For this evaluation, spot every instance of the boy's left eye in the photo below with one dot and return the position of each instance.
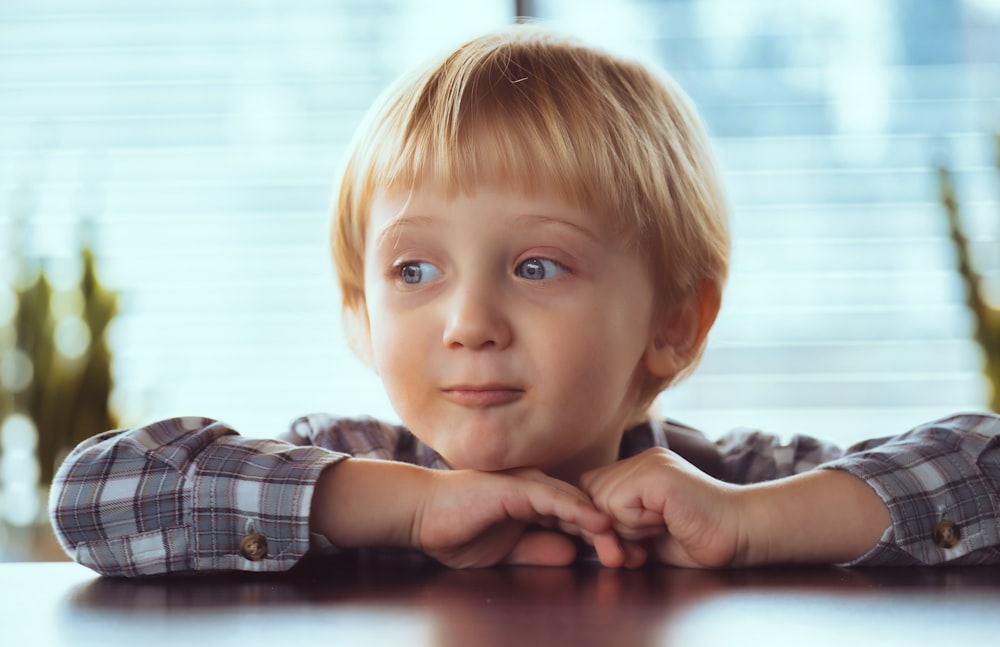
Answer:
(538, 269)
(417, 272)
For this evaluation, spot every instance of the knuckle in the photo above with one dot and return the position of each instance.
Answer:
(657, 452)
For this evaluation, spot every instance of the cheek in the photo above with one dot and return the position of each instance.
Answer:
(399, 347)
(387, 347)
(395, 366)
(382, 336)
(604, 356)
(591, 356)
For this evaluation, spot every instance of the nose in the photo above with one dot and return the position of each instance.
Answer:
(476, 319)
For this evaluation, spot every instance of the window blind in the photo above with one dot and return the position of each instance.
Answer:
(199, 142)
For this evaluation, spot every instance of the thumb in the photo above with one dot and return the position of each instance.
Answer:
(542, 548)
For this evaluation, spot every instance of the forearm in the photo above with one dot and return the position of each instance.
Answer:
(359, 503)
(822, 516)
(185, 494)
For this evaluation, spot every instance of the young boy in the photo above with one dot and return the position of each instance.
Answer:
(531, 244)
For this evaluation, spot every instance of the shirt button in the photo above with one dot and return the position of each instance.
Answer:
(253, 546)
(946, 534)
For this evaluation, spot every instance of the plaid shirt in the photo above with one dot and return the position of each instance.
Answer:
(182, 494)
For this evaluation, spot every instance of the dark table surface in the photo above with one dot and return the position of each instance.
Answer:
(394, 601)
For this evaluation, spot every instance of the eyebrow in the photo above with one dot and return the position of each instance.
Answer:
(543, 219)
(395, 227)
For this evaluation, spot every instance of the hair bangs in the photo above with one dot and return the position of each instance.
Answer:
(497, 121)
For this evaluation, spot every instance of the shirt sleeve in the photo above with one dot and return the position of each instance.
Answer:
(939, 481)
(186, 494)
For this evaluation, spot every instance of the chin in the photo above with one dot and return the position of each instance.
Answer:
(480, 447)
(484, 459)
(483, 463)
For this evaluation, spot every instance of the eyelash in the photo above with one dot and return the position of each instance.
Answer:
(560, 268)
(396, 270)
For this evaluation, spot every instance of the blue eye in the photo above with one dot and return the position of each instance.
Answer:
(417, 273)
(538, 269)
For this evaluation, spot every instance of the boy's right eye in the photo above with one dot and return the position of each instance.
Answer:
(417, 273)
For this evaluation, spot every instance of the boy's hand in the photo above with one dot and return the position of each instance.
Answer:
(662, 504)
(474, 519)
(462, 518)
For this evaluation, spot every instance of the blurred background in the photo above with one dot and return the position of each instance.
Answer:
(166, 170)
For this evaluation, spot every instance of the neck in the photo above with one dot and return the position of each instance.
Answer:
(572, 468)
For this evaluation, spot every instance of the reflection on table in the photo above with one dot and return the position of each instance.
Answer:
(396, 600)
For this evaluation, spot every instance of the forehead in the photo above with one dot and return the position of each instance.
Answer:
(507, 144)
(488, 206)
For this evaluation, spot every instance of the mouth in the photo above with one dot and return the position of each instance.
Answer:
(482, 396)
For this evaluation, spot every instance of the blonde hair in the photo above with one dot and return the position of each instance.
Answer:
(526, 109)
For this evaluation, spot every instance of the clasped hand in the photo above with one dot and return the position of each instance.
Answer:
(653, 506)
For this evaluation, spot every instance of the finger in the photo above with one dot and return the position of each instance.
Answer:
(542, 549)
(600, 488)
(589, 480)
(542, 478)
(635, 554)
(637, 532)
(609, 549)
(603, 479)
(570, 509)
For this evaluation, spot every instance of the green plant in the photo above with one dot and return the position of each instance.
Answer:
(56, 360)
(986, 316)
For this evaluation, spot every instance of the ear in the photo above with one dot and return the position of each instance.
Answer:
(358, 330)
(678, 336)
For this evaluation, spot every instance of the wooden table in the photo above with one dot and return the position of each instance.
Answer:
(393, 601)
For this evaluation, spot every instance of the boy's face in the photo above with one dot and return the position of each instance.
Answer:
(509, 331)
